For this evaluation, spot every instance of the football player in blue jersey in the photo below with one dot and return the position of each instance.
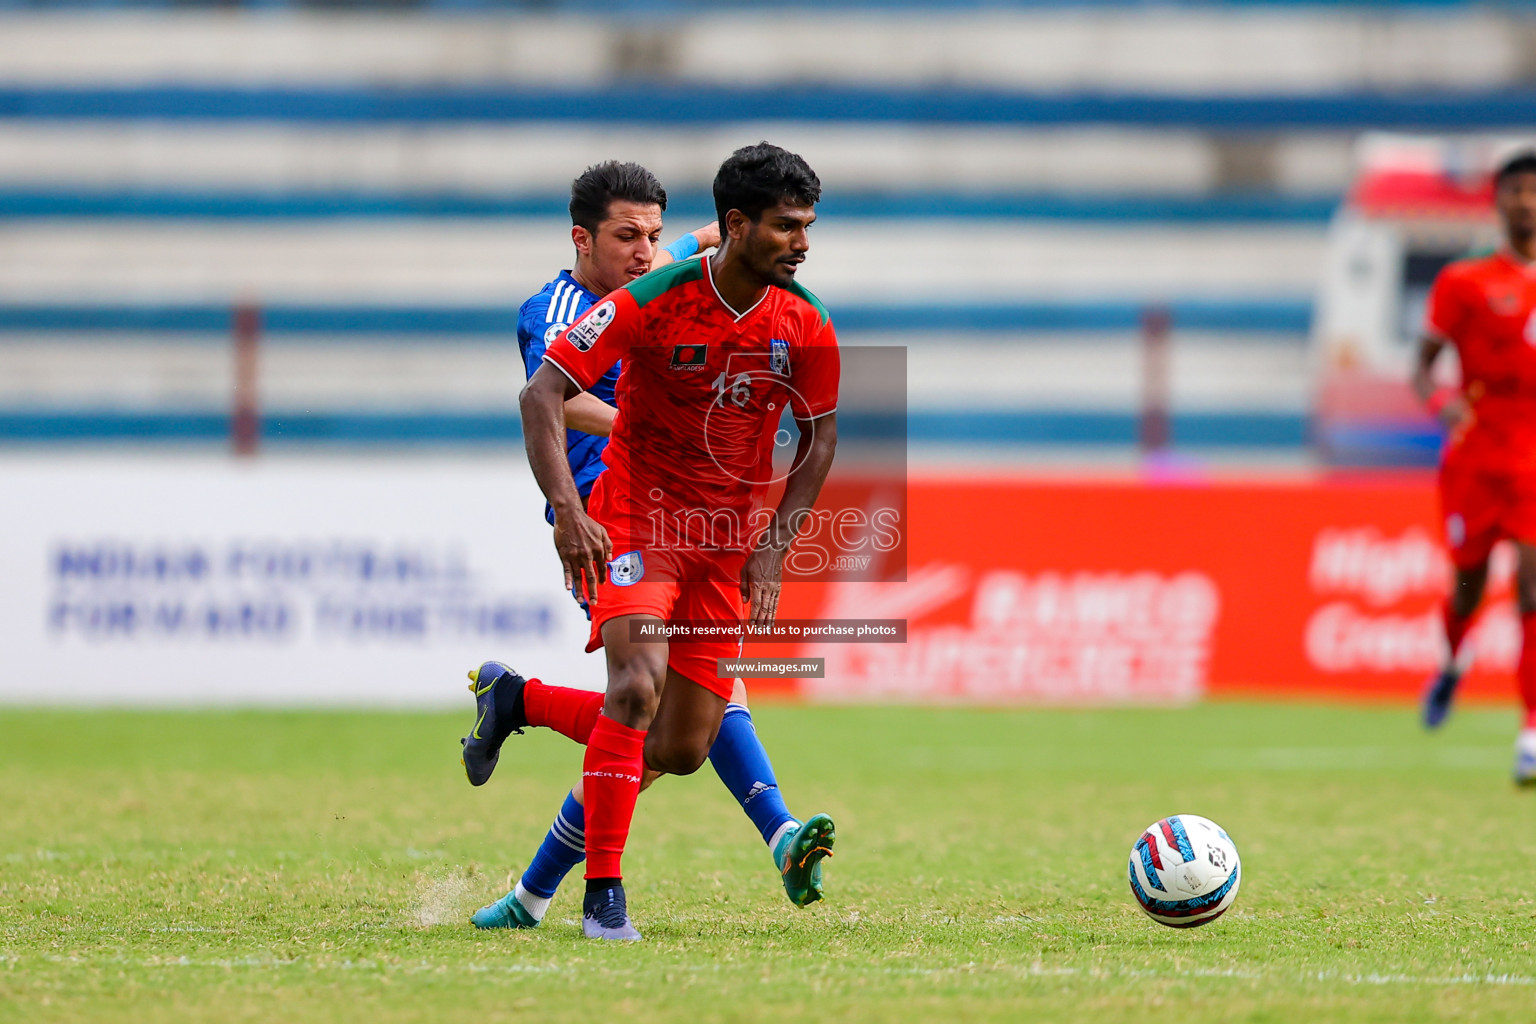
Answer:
(616, 210)
(615, 226)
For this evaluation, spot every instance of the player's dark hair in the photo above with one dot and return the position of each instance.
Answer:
(599, 185)
(1523, 162)
(756, 177)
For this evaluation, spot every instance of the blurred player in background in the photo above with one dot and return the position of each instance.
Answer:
(1485, 307)
(714, 352)
(616, 214)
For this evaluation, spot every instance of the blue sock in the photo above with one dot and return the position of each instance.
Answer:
(563, 848)
(742, 764)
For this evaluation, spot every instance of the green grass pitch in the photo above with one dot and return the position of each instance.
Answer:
(322, 866)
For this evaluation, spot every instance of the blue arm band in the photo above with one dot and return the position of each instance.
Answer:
(684, 247)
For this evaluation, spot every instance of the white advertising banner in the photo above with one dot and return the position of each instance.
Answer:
(375, 581)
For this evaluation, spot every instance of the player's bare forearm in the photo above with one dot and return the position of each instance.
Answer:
(582, 544)
(762, 575)
(1424, 366)
(1452, 409)
(542, 404)
(813, 461)
(589, 414)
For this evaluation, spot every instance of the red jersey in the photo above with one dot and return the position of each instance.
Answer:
(700, 396)
(1486, 307)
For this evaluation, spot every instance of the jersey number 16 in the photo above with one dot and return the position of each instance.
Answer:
(740, 389)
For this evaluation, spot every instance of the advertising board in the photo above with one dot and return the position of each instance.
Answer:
(1129, 591)
(285, 581)
(277, 581)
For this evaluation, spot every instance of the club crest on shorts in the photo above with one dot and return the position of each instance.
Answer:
(1455, 530)
(626, 570)
(585, 332)
(778, 357)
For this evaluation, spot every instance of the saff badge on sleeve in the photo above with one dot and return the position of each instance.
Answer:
(585, 332)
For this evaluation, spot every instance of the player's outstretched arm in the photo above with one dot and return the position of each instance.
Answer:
(762, 577)
(583, 545)
(701, 238)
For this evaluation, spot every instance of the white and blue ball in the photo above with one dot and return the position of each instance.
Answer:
(1184, 871)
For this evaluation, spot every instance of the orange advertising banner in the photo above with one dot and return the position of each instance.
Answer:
(1133, 591)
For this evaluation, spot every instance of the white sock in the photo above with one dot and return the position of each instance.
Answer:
(538, 906)
(788, 826)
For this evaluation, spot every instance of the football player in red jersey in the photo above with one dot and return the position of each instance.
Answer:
(616, 213)
(713, 351)
(1485, 307)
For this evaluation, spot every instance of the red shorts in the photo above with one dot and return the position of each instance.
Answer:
(672, 586)
(1483, 506)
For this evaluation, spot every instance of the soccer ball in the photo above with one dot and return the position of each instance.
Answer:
(1184, 871)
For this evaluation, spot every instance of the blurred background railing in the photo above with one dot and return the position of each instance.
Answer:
(386, 183)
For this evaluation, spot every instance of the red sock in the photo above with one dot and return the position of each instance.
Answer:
(568, 711)
(1455, 628)
(1527, 671)
(610, 780)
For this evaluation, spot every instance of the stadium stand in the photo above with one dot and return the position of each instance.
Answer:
(386, 186)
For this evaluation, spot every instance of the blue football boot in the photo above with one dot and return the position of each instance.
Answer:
(605, 915)
(498, 714)
(1435, 706)
(506, 912)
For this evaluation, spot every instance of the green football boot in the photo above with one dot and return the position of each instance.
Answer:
(799, 855)
(506, 912)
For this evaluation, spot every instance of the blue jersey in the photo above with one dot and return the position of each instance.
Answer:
(539, 322)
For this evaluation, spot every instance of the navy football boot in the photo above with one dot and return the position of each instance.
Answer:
(1435, 705)
(498, 714)
(605, 915)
